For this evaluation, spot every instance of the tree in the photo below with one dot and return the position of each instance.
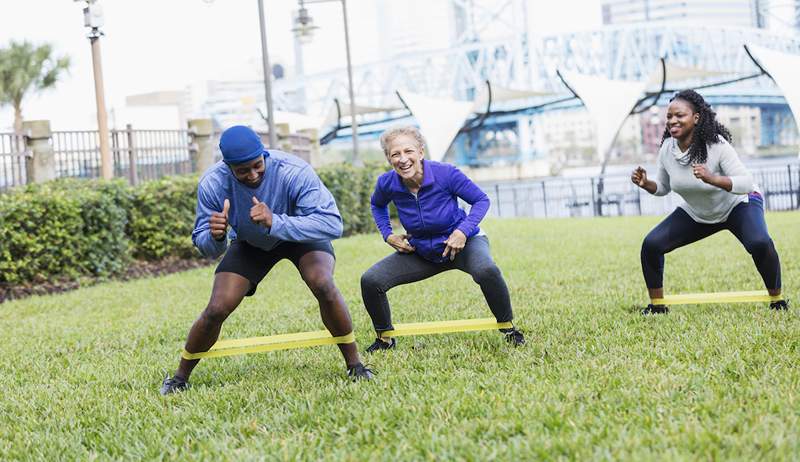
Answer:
(25, 67)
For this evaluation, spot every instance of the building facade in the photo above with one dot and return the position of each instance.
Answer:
(743, 13)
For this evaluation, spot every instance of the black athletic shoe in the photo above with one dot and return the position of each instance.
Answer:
(360, 372)
(173, 385)
(514, 336)
(780, 305)
(655, 309)
(379, 344)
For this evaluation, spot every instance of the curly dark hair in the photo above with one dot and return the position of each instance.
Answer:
(706, 131)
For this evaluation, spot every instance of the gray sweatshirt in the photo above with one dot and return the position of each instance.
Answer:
(703, 202)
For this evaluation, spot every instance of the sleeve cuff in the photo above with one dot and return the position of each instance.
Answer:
(278, 224)
(741, 185)
(467, 230)
(213, 248)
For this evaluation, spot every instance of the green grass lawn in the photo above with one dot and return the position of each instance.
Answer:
(80, 372)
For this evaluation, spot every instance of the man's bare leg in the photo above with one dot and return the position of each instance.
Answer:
(316, 268)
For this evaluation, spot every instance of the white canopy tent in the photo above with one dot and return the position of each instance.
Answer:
(439, 120)
(784, 68)
(608, 101)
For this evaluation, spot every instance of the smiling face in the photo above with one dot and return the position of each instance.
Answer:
(681, 119)
(405, 156)
(251, 173)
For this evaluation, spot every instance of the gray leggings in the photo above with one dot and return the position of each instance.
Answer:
(403, 268)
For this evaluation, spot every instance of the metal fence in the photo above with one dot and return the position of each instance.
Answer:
(12, 160)
(138, 155)
(77, 153)
(151, 153)
(616, 195)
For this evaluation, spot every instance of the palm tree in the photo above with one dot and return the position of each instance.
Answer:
(25, 67)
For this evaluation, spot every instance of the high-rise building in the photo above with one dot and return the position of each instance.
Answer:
(797, 15)
(744, 13)
(781, 16)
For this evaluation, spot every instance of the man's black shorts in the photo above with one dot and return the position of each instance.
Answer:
(254, 263)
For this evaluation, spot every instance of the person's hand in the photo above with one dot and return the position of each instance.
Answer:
(400, 243)
(701, 172)
(218, 224)
(260, 213)
(639, 177)
(454, 244)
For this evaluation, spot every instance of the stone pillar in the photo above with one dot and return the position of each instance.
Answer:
(201, 144)
(313, 148)
(284, 140)
(41, 165)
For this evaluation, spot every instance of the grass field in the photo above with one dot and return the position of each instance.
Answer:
(80, 372)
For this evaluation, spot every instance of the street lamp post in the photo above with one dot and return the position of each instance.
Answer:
(93, 19)
(304, 28)
(273, 138)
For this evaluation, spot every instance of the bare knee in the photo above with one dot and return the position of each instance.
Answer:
(215, 313)
(322, 285)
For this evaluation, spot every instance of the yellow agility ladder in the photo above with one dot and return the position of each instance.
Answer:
(270, 343)
(442, 327)
(717, 297)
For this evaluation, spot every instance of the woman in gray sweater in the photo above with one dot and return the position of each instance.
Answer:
(697, 161)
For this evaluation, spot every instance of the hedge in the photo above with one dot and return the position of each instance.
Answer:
(65, 228)
(352, 188)
(68, 229)
(162, 218)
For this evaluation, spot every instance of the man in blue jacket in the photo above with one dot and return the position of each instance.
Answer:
(269, 205)
(439, 237)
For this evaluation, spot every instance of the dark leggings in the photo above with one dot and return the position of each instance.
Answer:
(403, 268)
(746, 222)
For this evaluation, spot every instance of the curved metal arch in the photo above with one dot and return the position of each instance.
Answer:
(623, 52)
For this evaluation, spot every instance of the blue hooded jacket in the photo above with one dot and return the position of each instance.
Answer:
(433, 214)
(303, 210)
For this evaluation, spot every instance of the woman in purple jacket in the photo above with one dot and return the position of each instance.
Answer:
(440, 236)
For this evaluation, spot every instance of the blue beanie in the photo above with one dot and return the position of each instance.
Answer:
(240, 144)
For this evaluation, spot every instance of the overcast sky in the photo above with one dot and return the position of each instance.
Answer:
(153, 45)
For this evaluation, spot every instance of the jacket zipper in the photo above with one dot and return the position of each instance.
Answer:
(422, 220)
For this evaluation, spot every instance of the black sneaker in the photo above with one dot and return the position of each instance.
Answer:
(379, 344)
(514, 336)
(655, 309)
(360, 372)
(780, 305)
(173, 385)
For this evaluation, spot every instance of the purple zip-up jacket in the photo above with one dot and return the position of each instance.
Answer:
(433, 214)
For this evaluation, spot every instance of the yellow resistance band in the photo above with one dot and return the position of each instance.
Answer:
(717, 297)
(442, 327)
(271, 343)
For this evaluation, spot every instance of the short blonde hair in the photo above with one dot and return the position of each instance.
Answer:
(393, 132)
